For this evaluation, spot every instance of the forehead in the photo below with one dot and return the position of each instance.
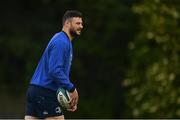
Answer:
(76, 19)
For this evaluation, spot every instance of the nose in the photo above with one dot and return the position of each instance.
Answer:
(81, 26)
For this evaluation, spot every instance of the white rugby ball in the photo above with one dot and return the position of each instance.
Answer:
(63, 98)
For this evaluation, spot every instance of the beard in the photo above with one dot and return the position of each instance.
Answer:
(73, 33)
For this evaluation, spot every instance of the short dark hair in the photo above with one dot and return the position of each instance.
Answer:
(69, 14)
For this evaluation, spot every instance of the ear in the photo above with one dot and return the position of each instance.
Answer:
(67, 23)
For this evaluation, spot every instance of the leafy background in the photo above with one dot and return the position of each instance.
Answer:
(125, 65)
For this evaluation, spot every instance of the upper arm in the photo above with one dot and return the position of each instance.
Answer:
(57, 54)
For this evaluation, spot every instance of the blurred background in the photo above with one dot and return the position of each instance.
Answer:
(126, 62)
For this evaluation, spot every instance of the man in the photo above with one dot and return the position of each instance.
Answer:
(52, 72)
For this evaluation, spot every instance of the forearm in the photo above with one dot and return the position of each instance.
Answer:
(62, 79)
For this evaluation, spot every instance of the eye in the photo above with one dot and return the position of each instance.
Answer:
(79, 23)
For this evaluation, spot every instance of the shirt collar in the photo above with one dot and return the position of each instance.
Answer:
(66, 34)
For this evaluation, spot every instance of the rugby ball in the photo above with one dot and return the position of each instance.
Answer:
(63, 98)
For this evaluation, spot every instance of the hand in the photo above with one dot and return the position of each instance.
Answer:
(73, 108)
(74, 99)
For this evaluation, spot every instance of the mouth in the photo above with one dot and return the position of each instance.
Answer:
(79, 31)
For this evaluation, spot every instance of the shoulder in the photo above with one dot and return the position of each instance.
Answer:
(58, 40)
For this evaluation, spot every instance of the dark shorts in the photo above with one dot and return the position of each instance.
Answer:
(42, 103)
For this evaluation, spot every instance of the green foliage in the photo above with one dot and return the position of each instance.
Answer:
(99, 59)
(153, 78)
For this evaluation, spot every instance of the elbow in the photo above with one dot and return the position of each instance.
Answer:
(55, 72)
(51, 72)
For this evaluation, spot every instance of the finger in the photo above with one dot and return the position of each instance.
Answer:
(72, 109)
(76, 101)
(72, 102)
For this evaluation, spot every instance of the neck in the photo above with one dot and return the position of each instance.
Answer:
(67, 32)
